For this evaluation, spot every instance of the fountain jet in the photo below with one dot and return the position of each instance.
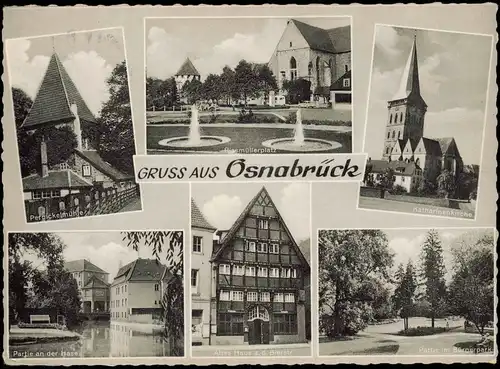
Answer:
(194, 137)
(298, 137)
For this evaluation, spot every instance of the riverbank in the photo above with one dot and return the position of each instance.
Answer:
(20, 336)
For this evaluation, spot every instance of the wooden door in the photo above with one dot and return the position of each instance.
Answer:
(265, 332)
(251, 333)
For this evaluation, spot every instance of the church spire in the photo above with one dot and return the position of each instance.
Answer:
(410, 84)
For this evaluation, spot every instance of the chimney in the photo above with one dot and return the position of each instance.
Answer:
(43, 156)
(77, 126)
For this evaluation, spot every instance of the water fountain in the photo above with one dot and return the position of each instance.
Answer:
(299, 143)
(194, 138)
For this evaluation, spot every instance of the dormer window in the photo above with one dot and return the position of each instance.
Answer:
(346, 82)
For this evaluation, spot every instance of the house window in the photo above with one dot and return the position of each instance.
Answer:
(224, 296)
(251, 296)
(346, 68)
(293, 69)
(283, 74)
(37, 195)
(346, 82)
(86, 170)
(294, 273)
(250, 271)
(393, 134)
(274, 248)
(399, 136)
(289, 297)
(63, 166)
(262, 247)
(285, 324)
(390, 118)
(157, 287)
(387, 150)
(278, 297)
(265, 297)
(274, 273)
(236, 295)
(230, 324)
(197, 244)
(285, 273)
(125, 288)
(250, 246)
(262, 272)
(263, 224)
(388, 134)
(224, 269)
(290, 43)
(400, 117)
(194, 278)
(238, 270)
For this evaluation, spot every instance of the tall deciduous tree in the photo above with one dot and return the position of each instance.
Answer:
(22, 105)
(266, 80)
(387, 179)
(432, 274)
(171, 243)
(471, 291)
(160, 94)
(298, 90)
(212, 88)
(245, 80)
(116, 144)
(227, 84)
(350, 261)
(192, 91)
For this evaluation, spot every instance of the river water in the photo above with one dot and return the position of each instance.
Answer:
(102, 339)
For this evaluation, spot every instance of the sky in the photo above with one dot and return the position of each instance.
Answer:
(88, 57)
(407, 244)
(222, 203)
(107, 250)
(214, 43)
(454, 72)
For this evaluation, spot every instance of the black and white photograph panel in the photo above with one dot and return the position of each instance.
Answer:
(425, 121)
(73, 123)
(96, 294)
(250, 270)
(248, 85)
(407, 292)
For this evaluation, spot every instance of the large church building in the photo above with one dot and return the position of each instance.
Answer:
(256, 276)
(406, 149)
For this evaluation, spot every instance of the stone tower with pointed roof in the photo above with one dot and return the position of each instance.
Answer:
(406, 110)
(187, 72)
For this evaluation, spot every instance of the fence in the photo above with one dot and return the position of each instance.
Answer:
(94, 202)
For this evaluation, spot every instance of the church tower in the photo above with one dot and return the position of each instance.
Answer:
(407, 108)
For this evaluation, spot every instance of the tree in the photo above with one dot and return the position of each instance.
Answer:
(192, 91)
(172, 243)
(266, 80)
(471, 291)
(387, 179)
(116, 144)
(246, 83)
(350, 262)
(404, 294)
(227, 88)
(161, 94)
(467, 182)
(432, 274)
(446, 185)
(211, 89)
(426, 187)
(22, 105)
(298, 90)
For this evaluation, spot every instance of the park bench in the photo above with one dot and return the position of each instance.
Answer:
(39, 319)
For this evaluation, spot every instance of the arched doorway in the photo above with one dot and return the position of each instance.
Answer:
(258, 325)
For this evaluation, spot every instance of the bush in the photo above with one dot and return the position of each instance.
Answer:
(40, 325)
(398, 190)
(421, 331)
(292, 119)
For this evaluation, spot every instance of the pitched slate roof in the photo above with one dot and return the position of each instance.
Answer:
(339, 83)
(95, 282)
(143, 270)
(100, 164)
(335, 40)
(56, 94)
(198, 220)
(445, 143)
(55, 179)
(401, 167)
(236, 225)
(82, 265)
(187, 69)
(431, 146)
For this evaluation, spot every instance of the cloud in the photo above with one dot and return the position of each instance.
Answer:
(222, 210)
(166, 52)
(88, 70)
(294, 206)
(386, 38)
(406, 249)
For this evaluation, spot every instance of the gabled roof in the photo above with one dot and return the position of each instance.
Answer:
(142, 270)
(413, 143)
(82, 265)
(410, 84)
(100, 164)
(237, 224)
(431, 146)
(95, 282)
(56, 94)
(338, 85)
(399, 143)
(446, 143)
(399, 166)
(335, 40)
(187, 69)
(54, 180)
(198, 220)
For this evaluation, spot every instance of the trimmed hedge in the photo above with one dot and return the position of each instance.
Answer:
(421, 331)
(40, 325)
